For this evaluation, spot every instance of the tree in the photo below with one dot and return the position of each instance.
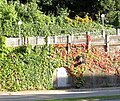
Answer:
(117, 5)
(107, 5)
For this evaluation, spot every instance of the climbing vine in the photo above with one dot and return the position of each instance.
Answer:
(77, 59)
(26, 68)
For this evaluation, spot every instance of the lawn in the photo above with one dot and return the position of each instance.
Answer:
(87, 98)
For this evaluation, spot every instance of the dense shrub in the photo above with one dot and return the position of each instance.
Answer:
(36, 23)
(25, 68)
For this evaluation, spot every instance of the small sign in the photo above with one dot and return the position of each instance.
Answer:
(62, 77)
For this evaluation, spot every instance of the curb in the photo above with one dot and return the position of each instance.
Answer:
(58, 91)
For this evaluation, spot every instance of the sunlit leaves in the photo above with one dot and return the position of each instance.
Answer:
(26, 68)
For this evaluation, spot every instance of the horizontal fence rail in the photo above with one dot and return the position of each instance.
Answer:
(110, 43)
(96, 40)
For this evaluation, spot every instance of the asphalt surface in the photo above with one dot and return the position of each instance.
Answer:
(58, 94)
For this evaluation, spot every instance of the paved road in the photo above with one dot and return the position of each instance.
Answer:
(57, 94)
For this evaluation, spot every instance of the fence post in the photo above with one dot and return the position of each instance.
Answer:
(19, 41)
(88, 40)
(55, 39)
(107, 39)
(117, 31)
(48, 40)
(68, 39)
(26, 41)
(72, 38)
(37, 40)
(22, 41)
(68, 43)
(103, 33)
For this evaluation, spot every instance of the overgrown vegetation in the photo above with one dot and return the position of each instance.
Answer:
(36, 23)
(25, 68)
(78, 59)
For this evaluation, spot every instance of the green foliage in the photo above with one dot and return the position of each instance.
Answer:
(113, 17)
(2, 41)
(107, 5)
(79, 82)
(62, 12)
(36, 23)
(117, 5)
(3, 1)
(8, 17)
(117, 20)
(25, 68)
(110, 8)
(3, 49)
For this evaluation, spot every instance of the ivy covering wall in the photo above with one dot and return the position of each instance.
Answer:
(25, 68)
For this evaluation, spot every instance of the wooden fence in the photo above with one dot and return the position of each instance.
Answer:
(110, 43)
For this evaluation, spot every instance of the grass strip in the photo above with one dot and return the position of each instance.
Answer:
(87, 98)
